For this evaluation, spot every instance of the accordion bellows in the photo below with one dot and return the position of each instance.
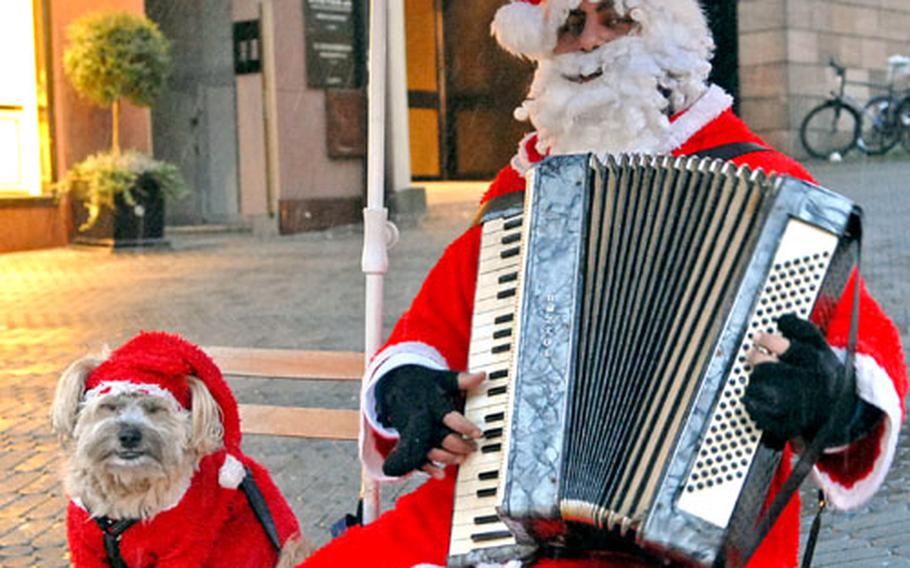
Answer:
(614, 309)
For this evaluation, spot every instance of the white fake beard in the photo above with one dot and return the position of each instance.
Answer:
(623, 110)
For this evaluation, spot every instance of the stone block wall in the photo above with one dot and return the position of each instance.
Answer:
(785, 47)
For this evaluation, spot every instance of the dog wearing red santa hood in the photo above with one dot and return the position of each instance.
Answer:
(154, 472)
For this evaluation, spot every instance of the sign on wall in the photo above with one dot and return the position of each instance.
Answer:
(345, 113)
(334, 52)
(247, 47)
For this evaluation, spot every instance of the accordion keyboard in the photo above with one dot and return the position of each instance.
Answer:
(475, 523)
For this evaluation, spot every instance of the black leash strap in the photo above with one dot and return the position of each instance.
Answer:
(813, 532)
(260, 507)
(837, 419)
(112, 531)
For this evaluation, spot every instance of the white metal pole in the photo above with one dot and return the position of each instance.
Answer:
(375, 260)
(399, 163)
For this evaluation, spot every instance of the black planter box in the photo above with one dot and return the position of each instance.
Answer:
(126, 226)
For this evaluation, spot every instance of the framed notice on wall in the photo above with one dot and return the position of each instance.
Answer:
(334, 43)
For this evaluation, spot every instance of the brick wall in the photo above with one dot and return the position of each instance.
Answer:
(785, 46)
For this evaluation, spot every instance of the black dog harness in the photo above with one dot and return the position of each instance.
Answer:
(113, 530)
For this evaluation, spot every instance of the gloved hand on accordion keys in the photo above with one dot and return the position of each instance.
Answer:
(421, 403)
(792, 391)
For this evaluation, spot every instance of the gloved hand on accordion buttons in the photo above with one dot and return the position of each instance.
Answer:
(792, 389)
(421, 404)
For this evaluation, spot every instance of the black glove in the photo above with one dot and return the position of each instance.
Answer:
(413, 400)
(794, 397)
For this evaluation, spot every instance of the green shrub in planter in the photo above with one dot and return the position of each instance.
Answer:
(99, 179)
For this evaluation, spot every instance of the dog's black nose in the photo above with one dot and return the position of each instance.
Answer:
(129, 436)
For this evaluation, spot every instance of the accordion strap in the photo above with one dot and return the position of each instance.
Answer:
(814, 450)
(731, 150)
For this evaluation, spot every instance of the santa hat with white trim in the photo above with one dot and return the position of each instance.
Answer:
(159, 363)
(529, 28)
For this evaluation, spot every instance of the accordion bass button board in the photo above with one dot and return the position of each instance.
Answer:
(613, 315)
(731, 438)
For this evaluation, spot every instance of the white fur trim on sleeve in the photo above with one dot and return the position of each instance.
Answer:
(407, 353)
(875, 387)
(231, 473)
(709, 106)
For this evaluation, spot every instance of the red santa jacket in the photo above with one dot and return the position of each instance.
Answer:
(435, 332)
(211, 526)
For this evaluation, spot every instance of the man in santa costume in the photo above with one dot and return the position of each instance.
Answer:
(612, 76)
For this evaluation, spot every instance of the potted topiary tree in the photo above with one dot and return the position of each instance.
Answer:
(113, 56)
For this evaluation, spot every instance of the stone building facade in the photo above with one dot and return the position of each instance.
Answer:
(785, 47)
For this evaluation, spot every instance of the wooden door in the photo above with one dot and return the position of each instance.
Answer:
(462, 89)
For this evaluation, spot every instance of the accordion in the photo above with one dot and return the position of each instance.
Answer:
(616, 301)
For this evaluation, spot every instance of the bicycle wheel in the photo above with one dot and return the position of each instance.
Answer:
(830, 130)
(881, 129)
(903, 119)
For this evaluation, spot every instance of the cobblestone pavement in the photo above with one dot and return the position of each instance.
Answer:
(306, 291)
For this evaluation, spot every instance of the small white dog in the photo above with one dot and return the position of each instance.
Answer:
(155, 474)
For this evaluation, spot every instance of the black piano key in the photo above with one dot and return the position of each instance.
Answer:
(499, 374)
(493, 535)
(502, 333)
(492, 433)
(503, 294)
(496, 391)
(510, 277)
(488, 475)
(502, 348)
(490, 448)
(511, 238)
(494, 417)
(486, 492)
(486, 519)
(510, 252)
(512, 224)
(505, 318)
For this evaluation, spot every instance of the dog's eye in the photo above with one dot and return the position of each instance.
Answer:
(154, 409)
(108, 407)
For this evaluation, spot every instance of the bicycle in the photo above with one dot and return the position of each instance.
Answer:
(886, 118)
(833, 128)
